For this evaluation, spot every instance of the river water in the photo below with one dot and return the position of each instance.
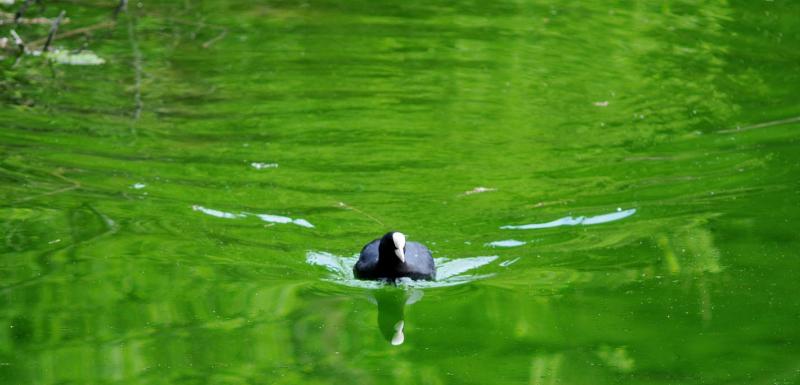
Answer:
(610, 190)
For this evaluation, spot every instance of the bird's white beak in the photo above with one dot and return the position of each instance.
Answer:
(399, 240)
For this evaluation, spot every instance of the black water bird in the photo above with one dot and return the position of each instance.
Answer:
(391, 257)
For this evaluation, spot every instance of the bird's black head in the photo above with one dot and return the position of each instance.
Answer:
(392, 248)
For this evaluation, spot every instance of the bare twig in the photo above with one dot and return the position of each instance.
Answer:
(346, 206)
(20, 45)
(18, 41)
(216, 39)
(8, 18)
(53, 30)
(761, 125)
(78, 31)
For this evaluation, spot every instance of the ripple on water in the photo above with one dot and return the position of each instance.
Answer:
(449, 272)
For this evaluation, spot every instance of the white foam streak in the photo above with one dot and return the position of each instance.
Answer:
(216, 213)
(506, 243)
(448, 272)
(264, 217)
(570, 221)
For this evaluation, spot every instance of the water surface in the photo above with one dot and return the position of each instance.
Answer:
(632, 167)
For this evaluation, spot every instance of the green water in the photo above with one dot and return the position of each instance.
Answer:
(132, 250)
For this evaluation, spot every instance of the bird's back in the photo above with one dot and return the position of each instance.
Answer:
(367, 264)
(419, 263)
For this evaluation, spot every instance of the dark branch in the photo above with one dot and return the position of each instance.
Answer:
(22, 9)
(53, 30)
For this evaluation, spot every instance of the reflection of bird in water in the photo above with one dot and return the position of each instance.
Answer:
(394, 267)
(391, 312)
(391, 257)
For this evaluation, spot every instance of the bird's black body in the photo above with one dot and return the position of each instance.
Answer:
(378, 261)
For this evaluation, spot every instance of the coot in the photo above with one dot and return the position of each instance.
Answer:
(391, 257)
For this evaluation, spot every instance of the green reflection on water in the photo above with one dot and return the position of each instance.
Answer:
(367, 116)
